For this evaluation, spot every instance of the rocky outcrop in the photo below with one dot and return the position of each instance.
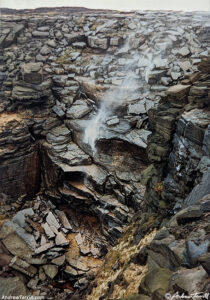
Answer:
(178, 147)
(44, 243)
(10, 34)
(160, 263)
(20, 163)
(151, 264)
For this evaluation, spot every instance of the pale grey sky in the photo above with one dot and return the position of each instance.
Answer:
(188, 5)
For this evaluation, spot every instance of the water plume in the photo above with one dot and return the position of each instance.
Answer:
(112, 99)
(128, 89)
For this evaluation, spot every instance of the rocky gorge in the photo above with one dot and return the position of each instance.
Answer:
(104, 155)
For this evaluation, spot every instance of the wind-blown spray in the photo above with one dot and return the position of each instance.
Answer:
(118, 95)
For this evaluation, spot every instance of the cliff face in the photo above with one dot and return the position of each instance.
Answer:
(104, 122)
(20, 165)
(179, 146)
(155, 264)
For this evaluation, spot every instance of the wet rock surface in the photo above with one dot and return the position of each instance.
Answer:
(104, 122)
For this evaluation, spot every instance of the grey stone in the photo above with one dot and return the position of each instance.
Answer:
(78, 264)
(204, 164)
(71, 271)
(184, 51)
(75, 156)
(196, 249)
(59, 261)
(51, 220)
(8, 39)
(137, 108)
(63, 219)
(80, 45)
(74, 37)
(189, 213)
(206, 142)
(78, 110)
(32, 72)
(20, 217)
(45, 50)
(194, 133)
(32, 284)
(178, 90)
(205, 262)
(44, 247)
(22, 266)
(60, 240)
(12, 286)
(50, 234)
(185, 66)
(189, 280)
(40, 58)
(113, 121)
(156, 280)
(199, 191)
(132, 26)
(167, 252)
(58, 111)
(138, 137)
(43, 28)
(59, 135)
(115, 41)
(95, 42)
(205, 203)
(11, 227)
(52, 43)
(162, 234)
(40, 34)
(17, 246)
(175, 75)
(50, 270)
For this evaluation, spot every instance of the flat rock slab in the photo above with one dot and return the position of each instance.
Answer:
(78, 110)
(60, 240)
(198, 117)
(178, 90)
(40, 34)
(13, 227)
(78, 264)
(12, 286)
(189, 280)
(44, 248)
(63, 219)
(20, 217)
(23, 267)
(189, 213)
(199, 191)
(138, 137)
(50, 270)
(50, 234)
(75, 156)
(32, 72)
(51, 220)
(17, 246)
(93, 172)
(59, 261)
(113, 121)
(95, 42)
(73, 272)
(184, 51)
